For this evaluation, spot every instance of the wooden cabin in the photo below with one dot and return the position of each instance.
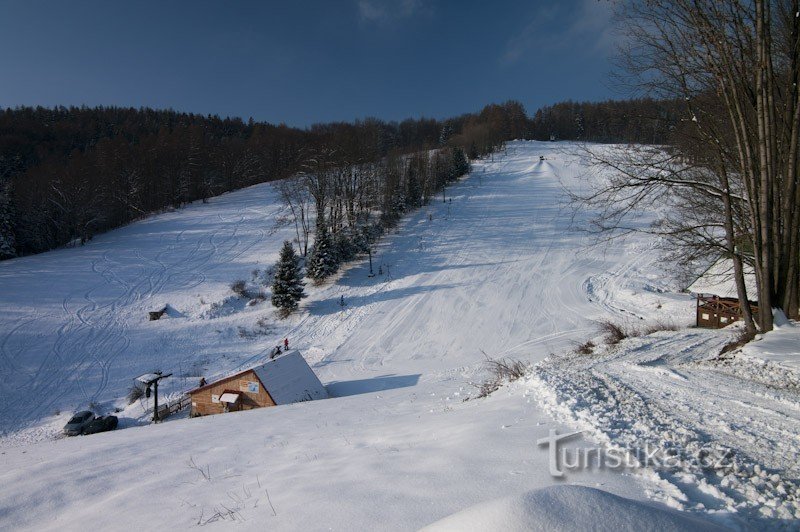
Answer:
(717, 298)
(283, 380)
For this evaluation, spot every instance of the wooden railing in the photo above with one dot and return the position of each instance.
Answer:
(717, 312)
(176, 405)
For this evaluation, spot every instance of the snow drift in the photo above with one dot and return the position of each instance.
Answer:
(568, 508)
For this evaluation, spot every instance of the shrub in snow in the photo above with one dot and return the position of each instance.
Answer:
(586, 348)
(323, 260)
(134, 394)
(239, 288)
(287, 286)
(614, 332)
(658, 327)
(501, 371)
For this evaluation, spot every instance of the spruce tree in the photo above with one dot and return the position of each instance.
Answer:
(287, 286)
(460, 162)
(413, 187)
(323, 260)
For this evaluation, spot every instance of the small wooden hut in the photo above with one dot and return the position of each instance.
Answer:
(283, 380)
(717, 298)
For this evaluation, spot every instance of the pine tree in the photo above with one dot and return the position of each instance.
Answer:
(8, 245)
(413, 187)
(322, 260)
(460, 162)
(287, 286)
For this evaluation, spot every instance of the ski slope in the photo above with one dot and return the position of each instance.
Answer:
(499, 270)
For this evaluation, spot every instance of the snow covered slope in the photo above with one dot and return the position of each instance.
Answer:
(497, 270)
(74, 330)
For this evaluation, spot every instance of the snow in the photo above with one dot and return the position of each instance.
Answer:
(780, 346)
(502, 271)
(727, 435)
(288, 379)
(228, 397)
(568, 508)
(147, 377)
(718, 280)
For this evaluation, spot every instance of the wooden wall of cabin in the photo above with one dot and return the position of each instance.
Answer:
(203, 403)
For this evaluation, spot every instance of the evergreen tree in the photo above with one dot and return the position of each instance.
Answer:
(287, 286)
(460, 162)
(322, 260)
(413, 187)
(345, 247)
(8, 244)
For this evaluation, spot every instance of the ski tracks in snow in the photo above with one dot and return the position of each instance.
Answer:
(660, 391)
(91, 325)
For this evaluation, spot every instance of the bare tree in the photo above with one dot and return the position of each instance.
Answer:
(736, 152)
(295, 195)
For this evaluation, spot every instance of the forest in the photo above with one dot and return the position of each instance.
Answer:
(67, 174)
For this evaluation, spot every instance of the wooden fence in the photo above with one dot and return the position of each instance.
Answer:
(171, 407)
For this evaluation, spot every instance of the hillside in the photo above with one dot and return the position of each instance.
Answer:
(500, 270)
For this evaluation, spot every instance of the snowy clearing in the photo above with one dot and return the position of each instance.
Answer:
(499, 270)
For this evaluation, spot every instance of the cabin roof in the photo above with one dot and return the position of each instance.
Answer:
(718, 280)
(287, 378)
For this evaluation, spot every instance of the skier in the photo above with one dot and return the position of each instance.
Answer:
(341, 300)
(202, 381)
(285, 344)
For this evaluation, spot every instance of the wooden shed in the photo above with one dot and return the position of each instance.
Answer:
(717, 298)
(283, 380)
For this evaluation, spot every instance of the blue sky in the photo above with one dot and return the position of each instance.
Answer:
(301, 62)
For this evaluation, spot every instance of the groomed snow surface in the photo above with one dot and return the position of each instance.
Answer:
(499, 271)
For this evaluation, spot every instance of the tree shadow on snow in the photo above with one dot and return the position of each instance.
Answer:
(375, 384)
(334, 305)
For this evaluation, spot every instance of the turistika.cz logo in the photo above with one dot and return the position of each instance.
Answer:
(561, 458)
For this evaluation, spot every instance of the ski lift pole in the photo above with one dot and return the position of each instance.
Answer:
(152, 379)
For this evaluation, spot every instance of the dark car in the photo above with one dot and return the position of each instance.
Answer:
(78, 423)
(101, 424)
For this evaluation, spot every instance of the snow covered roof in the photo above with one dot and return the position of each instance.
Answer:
(229, 397)
(147, 377)
(718, 280)
(289, 379)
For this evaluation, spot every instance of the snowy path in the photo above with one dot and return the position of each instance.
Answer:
(661, 392)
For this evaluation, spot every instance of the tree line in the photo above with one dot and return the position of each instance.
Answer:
(638, 120)
(68, 173)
